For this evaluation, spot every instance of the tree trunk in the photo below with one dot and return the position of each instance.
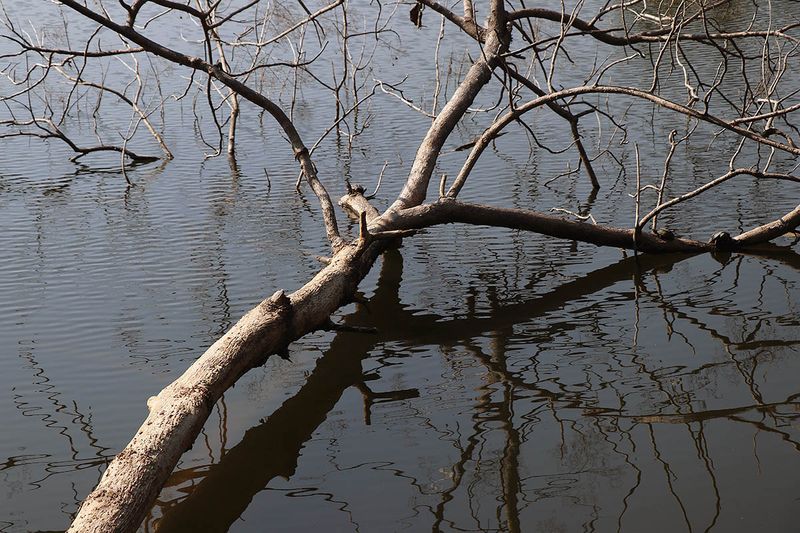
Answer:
(134, 478)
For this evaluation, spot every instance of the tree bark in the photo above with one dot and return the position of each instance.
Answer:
(449, 211)
(767, 232)
(134, 478)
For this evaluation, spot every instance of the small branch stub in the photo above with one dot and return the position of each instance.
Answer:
(278, 302)
(364, 236)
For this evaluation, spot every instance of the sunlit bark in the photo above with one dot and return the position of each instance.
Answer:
(176, 415)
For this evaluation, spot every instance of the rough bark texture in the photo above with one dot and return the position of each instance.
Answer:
(133, 479)
(448, 211)
(479, 74)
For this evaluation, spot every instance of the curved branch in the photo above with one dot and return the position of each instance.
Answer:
(27, 47)
(143, 116)
(511, 116)
(467, 24)
(605, 36)
(416, 186)
(767, 232)
(50, 131)
(216, 71)
(448, 211)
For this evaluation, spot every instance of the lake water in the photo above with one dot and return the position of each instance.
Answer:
(515, 383)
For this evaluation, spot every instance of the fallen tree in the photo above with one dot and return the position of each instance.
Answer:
(760, 123)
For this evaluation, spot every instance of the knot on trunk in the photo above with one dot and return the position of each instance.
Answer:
(277, 303)
(300, 152)
(723, 241)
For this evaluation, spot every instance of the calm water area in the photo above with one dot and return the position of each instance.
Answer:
(515, 383)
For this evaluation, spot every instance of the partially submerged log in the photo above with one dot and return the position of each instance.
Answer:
(447, 211)
(134, 478)
(177, 414)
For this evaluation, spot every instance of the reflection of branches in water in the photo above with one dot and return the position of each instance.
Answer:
(53, 419)
(683, 400)
(669, 476)
(768, 429)
(704, 453)
(703, 416)
(457, 471)
(626, 457)
(692, 419)
(486, 412)
(749, 342)
(509, 464)
(272, 448)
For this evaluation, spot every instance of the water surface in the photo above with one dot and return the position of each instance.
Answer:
(515, 382)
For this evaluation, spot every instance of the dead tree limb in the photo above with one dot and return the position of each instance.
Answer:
(177, 414)
(45, 128)
(448, 211)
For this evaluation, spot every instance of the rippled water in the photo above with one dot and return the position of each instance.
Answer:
(515, 383)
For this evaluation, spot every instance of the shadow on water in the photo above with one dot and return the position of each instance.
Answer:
(224, 490)
(220, 493)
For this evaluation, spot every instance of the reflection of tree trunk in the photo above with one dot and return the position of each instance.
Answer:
(428, 328)
(510, 480)
(459, 468)
(509, 463)
(272, 448)
(708, 414)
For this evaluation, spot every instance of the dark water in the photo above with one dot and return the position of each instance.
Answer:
(516, 383)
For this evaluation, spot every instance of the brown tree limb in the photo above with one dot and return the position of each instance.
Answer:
(605, 35)
(511, 116)
(133, 105)
(448, 211)
(567, 115)
(466, 23)
(710, 185)
(49, 130)
(416, 186)
(767, 232)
